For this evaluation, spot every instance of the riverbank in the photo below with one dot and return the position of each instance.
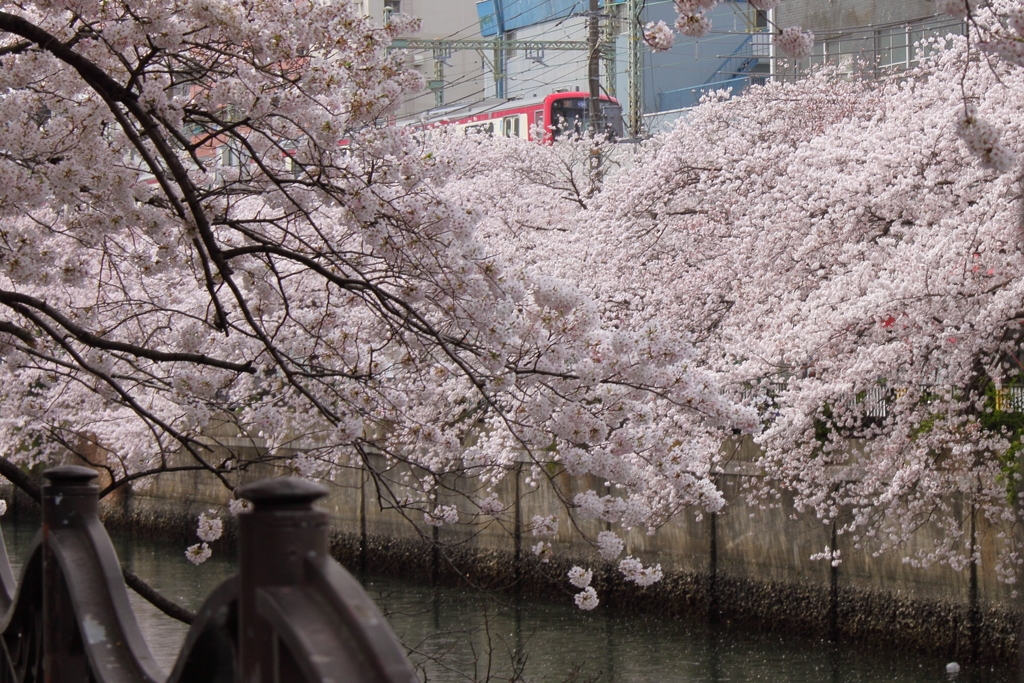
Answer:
(744, 566)
(463, 634)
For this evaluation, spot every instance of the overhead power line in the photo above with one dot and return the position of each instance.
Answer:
(487, 44)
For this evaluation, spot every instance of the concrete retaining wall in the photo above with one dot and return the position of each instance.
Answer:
(743, 565)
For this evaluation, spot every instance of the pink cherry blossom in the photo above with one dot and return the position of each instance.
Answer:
(658, 36)
(794, 42)
(693, 25)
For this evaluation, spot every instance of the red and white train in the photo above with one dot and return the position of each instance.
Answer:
(555, 114)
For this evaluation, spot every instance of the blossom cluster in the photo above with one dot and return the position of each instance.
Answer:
(441, 515)
(607, 508)
(586, 599)
(983, 140)
(794, 42)
(609, 545)
(833, 556)
(543, 550)
(691, 19)
(491, 505)
(632, 570)
(693, 25)
(238, 506)
(210, 526)
(544, 526)
(198, 553)
(659, 36)
(580, 577)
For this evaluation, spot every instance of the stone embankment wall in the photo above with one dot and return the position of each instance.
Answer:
(742, 565)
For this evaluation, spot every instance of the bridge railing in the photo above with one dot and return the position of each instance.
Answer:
(291, 614)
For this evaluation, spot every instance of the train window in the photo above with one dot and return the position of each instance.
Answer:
(510, 126)
(538, 117)
(612, 113)
(569, 115)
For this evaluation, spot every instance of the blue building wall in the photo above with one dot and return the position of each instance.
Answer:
(517, 14)
(723, 59)
(671, 80)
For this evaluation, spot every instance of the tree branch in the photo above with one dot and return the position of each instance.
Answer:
(16, 299)
(153, 597)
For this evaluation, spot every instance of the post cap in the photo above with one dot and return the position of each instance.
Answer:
(283, 491)
(70, 475)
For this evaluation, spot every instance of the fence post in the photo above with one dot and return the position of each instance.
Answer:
(68, 498)
(274, 541)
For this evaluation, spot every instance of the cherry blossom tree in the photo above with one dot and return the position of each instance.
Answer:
(203, 226)
(840, 251)
(843, 253)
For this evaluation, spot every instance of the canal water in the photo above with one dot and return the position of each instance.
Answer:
(462, 636)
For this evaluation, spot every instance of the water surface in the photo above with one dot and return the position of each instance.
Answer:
(458, 636)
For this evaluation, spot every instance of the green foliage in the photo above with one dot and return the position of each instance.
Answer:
(1010, 423)
(823, 422)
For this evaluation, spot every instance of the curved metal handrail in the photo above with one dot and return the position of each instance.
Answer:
(210, 647)
(326, 616)
(291, 613)
(91, 583)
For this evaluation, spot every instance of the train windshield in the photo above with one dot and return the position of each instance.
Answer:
(612, 118)
(569, 115)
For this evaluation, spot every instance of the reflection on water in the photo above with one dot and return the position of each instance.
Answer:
(618, 647)
(161, 565)
(458, 636)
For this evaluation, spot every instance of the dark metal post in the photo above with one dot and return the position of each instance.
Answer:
(594, 68)
(634, 69)
(500, 53)
(594, 110)
(70, 496)
(274, 542)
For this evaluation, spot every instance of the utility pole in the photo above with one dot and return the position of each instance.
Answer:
(594, 67)
(438, 83)
(594, 101)
(611, 29)
(499, 55)
(634, 70)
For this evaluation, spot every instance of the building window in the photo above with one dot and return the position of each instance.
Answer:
(893, 47)
(391, 7)
(234, 154)
(898, 47)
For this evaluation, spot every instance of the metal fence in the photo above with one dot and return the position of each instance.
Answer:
(290, 614)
